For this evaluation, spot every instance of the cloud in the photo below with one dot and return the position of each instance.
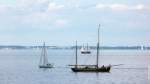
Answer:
(140, 7)
(54, 7)
(31, 6)
(121, 7)
(32, 13)
(101, 6)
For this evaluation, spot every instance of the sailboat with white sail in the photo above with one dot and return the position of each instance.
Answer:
(85, 50)
(44, 60)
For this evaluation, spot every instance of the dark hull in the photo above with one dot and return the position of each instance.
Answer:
(45, 66)
(101, 69)
(86, 52)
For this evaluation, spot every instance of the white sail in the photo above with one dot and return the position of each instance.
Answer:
(82, 49)
(44, 59)
(85, 50)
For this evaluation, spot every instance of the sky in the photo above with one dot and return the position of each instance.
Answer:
(62, 22)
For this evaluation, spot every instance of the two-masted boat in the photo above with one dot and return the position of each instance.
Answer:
(44, 60)
(85, 50)
(90, 68)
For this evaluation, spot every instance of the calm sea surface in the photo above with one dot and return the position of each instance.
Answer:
(21, 67)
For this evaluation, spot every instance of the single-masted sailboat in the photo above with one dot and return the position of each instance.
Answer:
(90, 68)
(44, 60)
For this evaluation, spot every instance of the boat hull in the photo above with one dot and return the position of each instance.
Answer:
(85, 52)
(86, 69)
(42, 66)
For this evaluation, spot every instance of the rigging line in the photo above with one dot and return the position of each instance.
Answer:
(132, 68)
(72, 61)
(89, 59)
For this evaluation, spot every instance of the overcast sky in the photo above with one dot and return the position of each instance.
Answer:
(61, 22)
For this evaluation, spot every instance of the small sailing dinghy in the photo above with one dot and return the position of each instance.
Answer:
(44, 60)
(85, 50)
(90, 68)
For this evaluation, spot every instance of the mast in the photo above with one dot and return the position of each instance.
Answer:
(97, 58)
(76, 56)
(45, 61)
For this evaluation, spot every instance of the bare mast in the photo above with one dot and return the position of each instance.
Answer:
(76, 55)
(97, 58)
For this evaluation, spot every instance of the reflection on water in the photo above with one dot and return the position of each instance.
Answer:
(21, 67)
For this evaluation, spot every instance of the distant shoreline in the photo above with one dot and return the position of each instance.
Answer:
(73, 47)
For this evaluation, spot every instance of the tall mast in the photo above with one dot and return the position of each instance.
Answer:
(97, 58)
(76, 56)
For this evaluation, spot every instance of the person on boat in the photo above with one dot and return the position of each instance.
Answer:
(103, 66)
(86, 67)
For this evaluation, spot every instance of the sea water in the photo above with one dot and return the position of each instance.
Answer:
(21, 67)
